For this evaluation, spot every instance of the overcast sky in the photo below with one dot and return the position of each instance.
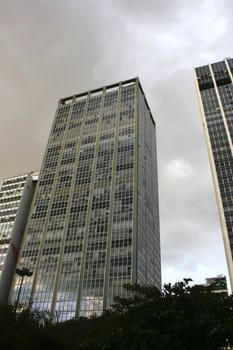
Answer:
(55, 48)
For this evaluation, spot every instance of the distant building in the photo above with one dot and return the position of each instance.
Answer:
(219, 283)
(94, 224)
(215, 93)
(15, 200)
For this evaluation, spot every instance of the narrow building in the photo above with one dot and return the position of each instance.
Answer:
(15, 200)
(215, 94)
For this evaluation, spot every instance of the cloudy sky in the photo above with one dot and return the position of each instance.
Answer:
(55, 48)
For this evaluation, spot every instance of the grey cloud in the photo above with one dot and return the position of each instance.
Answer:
(160, 11)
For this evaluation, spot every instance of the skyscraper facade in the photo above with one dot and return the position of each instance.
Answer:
(215, 94)
(15, 200)
(94, 223)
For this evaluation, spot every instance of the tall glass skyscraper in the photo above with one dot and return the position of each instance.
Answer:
(215, 93)
(94, 222)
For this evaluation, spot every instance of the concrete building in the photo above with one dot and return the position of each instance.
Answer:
(215, 94)
(94, 224)
(15, 200)
(219, 282)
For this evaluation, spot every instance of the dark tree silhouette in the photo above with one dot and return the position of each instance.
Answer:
(180, 317)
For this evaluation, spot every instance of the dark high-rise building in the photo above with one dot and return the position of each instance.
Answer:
(215, 94)
(94, 223)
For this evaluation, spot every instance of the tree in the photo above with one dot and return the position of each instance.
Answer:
(180, 317)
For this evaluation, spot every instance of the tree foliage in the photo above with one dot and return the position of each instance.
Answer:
(180, 317)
